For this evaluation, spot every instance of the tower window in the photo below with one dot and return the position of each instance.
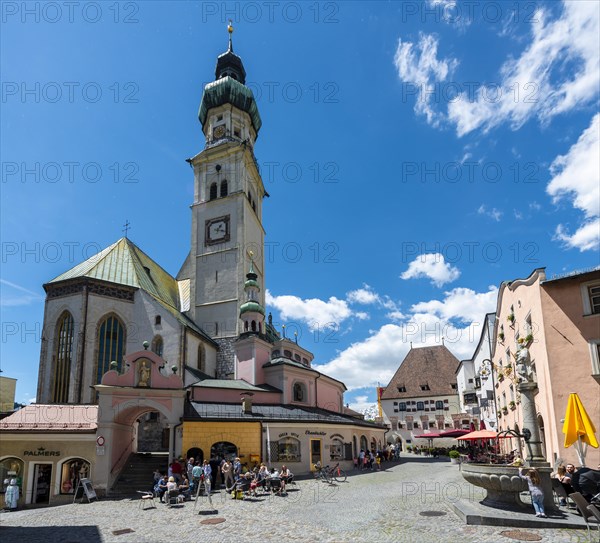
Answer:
(111, 345)
(157, 320)
(236, 132)
(213, 191)
(63, 356)
(223, 188)
(157, 346)
(219, 117)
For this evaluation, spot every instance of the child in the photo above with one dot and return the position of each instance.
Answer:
(535, 488)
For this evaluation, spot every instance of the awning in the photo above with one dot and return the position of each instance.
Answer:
(479, 434)
(447, 433)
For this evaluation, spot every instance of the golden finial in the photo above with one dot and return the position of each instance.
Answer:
(230, 30)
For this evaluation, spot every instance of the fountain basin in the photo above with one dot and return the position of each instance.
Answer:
(502, 483)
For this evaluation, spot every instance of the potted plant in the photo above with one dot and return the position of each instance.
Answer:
(508, 371)
(529, 339)
(505, 410)
(454, 456)
(501, 337)
(409, 449)
(501, 377)
(511, 318)
(512, 405)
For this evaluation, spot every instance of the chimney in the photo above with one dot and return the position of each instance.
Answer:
(247, 403)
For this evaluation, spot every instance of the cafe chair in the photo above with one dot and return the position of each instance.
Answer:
(584, 508)
(146, 498)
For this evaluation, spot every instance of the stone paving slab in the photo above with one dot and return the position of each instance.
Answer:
(369, 507)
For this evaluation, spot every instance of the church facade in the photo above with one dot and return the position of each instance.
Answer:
(188, 365)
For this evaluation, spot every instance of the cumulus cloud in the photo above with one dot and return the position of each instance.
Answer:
(316, 313)
(458, 318)
(433, 266)
(576, 177)
(419, 66)
(363, 296)
(557, 72)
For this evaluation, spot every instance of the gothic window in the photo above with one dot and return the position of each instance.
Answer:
(299, 392)
(213, 191)
(111, 345)
(223, 188)
(157, 346)
(201, 357)
(63, 356)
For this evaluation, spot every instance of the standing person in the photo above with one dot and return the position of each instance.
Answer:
(361, 459)
(535, 489)
(227, 471)
(214, 467)
(196, 475)
(207, 472)
(237, 469)
(189, 467)
(176, 470)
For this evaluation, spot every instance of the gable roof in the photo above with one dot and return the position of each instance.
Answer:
(434, 366)
(124, 263)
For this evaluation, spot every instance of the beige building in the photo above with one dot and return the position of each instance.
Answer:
(559, 321)
(8, 386)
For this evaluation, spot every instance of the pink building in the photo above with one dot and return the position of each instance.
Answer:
(559, 321)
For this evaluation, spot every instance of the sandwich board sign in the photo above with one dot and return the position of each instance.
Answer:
(85, 487)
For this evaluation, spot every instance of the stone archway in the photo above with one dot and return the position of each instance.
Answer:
(125, 397)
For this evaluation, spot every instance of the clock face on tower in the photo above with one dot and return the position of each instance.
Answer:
(218, 132)
(217, 230)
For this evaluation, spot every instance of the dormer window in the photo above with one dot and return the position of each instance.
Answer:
(402, 388)
(425, 387)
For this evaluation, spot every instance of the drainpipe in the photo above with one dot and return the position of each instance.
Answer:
(316, 395)
(82, 345)
(172, 452)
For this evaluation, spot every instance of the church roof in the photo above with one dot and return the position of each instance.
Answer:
(124, 263)
(424, 372)
(235, 384)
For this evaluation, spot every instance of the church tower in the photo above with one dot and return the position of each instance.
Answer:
(227, 208)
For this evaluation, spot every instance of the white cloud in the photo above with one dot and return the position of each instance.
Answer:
(427, 324)
(434, 266)
(363, 296)
(493, 213)
(576, 177)
(418, 65)
(517, 214)
(316, 313)
(537, 83)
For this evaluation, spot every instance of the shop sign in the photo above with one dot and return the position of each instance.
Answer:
(309, 433)
(293, 434)
(41, 452)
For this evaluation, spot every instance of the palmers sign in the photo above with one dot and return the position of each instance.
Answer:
(41, 452)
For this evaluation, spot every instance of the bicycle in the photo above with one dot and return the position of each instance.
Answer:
(337, 473)
(322, 473)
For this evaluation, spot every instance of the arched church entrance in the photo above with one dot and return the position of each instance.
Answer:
(139, 411)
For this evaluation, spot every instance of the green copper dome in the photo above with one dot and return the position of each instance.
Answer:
(251, 283)
(251, 307)
(229, 91)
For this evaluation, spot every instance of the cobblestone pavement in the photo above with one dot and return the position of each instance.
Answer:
(369, 507)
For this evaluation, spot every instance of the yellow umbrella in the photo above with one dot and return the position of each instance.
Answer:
(578, 427)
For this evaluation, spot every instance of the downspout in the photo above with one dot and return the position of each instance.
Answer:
(316, 395)
(81, 346)
(175, 436)
(43, 358)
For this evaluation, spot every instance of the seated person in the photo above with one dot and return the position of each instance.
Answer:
(184, 488)
(171, 484)
(285, 475)
(161, 487)
(587, 482)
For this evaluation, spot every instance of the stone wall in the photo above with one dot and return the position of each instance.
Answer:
(225, 358)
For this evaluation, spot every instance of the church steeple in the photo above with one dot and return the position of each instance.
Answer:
(229, 64)
(251, 311)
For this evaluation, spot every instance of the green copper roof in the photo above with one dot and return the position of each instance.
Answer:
(251, 306)
(251, 283)
(229, 91)
(124, 263)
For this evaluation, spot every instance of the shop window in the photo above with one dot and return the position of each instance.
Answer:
(71, 472)
(11, 468)
(63, 356)
(288, 450)
(111, 345)
(336, 449)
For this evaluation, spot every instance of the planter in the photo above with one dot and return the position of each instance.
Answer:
(455, 460)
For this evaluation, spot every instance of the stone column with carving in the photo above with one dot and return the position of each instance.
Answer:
(535, 457)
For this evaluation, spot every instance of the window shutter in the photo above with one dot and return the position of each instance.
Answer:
(347, 451)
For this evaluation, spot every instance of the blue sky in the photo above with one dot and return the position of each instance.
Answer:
(417, 154)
